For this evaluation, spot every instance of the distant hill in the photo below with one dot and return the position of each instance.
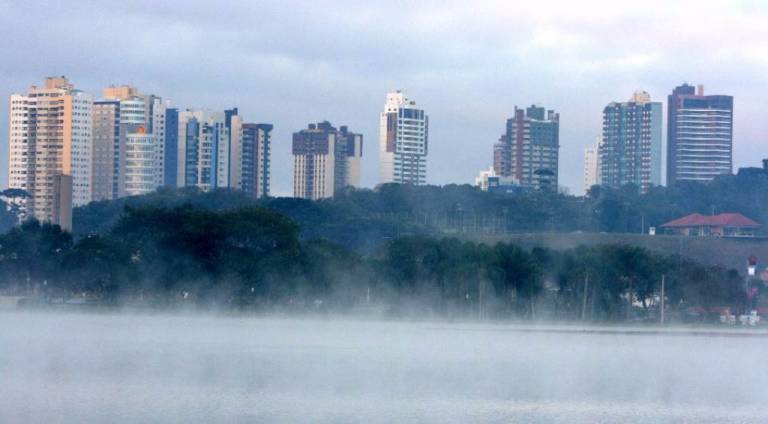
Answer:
(363, 220)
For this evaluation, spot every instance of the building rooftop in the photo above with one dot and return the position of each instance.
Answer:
(721, 220)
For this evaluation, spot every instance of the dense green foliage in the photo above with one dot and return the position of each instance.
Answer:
(254, 258)
(384, 248)
(363, 220)
(11, 200)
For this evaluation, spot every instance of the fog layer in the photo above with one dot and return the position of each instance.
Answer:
(124, 369)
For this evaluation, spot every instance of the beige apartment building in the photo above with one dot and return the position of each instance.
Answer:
(325, 159)
(50, 149)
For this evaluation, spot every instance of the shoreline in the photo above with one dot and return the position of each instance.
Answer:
(435, 323)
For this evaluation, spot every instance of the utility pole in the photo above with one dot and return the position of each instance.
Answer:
(629, 301)
(480, 286)
(584, 298)
(663, 278)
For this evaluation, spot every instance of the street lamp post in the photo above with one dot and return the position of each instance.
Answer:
(751, 272)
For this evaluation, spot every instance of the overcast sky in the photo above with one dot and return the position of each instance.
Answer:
(466, 63)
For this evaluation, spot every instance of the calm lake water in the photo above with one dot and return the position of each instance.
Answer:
(81, 368)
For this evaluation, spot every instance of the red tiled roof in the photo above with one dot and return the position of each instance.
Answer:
(722, 220)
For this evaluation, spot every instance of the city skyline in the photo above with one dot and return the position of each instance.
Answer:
(468, 81)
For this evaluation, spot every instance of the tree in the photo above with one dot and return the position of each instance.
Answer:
(515, 273)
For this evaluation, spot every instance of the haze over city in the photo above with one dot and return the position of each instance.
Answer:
(384, 211)
(290, 63)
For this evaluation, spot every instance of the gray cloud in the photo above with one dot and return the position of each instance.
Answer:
(468, 64)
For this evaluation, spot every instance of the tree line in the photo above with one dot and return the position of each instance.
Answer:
(254, 258)
(364, 219)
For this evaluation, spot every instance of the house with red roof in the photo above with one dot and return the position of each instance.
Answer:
(722, 225)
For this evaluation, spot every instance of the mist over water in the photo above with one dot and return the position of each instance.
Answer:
(72, 368)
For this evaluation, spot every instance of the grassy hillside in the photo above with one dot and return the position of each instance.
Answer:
(726, 252)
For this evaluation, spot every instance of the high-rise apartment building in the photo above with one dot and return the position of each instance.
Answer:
(158, 128)
(106, 149)
(529, 149)
(143, 167)
(203, 149)
(129, 133)
(699, 135)
(592, 165)
(171, 150)
(403, 141)
(234, 123)
(325, 159)
(50, 149)
(630, 152)
(233, 165)
(255, 159)
(218, 150)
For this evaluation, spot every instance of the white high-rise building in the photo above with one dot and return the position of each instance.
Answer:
(50, 151)
(203, 150)
(235, 168)
(403, 141)
(592, 165)
(158, 129)
(129, 143)
(138, 148)
(141, 163)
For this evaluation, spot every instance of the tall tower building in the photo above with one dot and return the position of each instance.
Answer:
(255, 159)
(249, 155)
(129, 143)
(203, 150)
(592, 165)
(106, 149)
(325, 159)
(143, 164)
(158, 128)
(51, 146)
(699, 135)
(171, 150)
(234, 123)
(630, 152)
(403, 141)
(529, 149)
